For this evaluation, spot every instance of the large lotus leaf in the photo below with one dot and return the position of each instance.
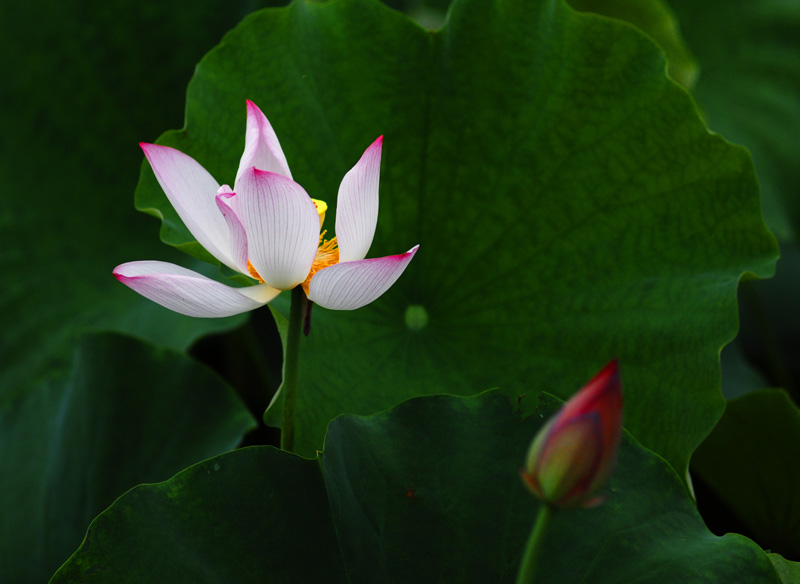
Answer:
(569, 204)
(426, 492)
(752, 461)
(749, 89)
(82, 85)
(126, 414)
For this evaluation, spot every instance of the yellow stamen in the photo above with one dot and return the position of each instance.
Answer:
(327, 255)
(254, 273)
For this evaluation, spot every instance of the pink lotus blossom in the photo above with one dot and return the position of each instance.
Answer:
(573, 455)
(268, 228)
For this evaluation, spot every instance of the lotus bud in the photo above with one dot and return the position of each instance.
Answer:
(574, 454)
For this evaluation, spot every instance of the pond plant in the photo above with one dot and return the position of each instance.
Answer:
(532, 393)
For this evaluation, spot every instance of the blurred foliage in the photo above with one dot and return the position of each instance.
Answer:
(788, 572)
(770, 335)
(126, 414)
(82, 84)
(428, 13)
(752, 462)
(426, 492)
(81, 88)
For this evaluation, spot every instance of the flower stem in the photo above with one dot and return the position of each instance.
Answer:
(291, 358)
(530, 560)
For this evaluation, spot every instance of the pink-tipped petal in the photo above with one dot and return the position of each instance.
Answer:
(351, 285)
(357, 205)
(261, 146)
(228, 204)
(191, 191)
(282, 226)
(188, 292)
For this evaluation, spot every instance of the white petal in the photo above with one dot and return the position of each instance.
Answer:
(191, 191)
(188, 292)
(228, 204)
(357, 205)
(261, 146)
(351, 285)
(282, 226)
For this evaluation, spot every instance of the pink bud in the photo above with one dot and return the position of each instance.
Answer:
(573, 455)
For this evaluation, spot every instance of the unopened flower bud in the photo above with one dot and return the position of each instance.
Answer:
(574, 454)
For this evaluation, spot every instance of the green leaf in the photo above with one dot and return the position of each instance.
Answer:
(79, 93)
(749, 89)
(127, 414)
(426, 492)
(569, 204)
(255, 515)
(656, 19)
(752, 461)
(789, 572)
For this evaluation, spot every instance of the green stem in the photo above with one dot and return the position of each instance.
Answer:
(291, 358)
(530, 560)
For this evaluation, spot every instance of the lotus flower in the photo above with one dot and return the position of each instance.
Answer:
(268, 228)
(574, 454)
